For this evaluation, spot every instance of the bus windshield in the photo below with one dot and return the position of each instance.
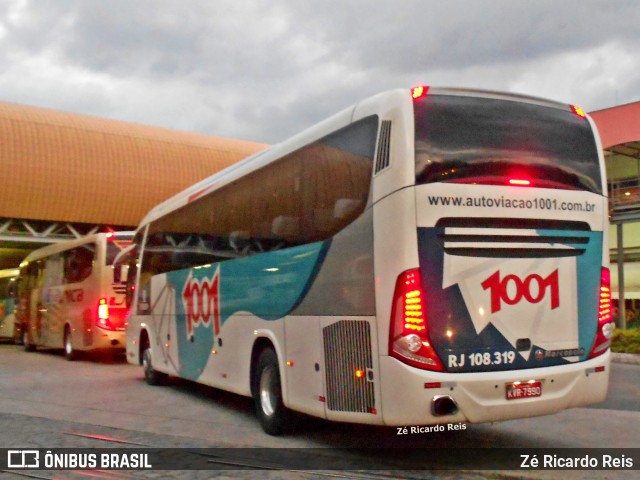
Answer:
(488, 141)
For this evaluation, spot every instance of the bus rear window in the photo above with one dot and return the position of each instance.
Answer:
(115, 246)
(489, 141)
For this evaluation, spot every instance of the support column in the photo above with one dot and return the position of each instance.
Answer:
(622, 316)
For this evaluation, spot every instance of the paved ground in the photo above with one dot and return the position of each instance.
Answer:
(50, 403)
(626, 358)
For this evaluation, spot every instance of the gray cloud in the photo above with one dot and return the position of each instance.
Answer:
(263, 70)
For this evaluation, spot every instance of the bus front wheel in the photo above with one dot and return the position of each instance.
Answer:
(151, 375)
(273, 416)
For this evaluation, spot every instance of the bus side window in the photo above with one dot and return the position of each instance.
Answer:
(306, 196)
(71, 267)
(78, 264)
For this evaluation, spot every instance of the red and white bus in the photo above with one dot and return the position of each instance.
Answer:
(71, 296)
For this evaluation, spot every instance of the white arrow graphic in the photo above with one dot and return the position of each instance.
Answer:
(518, 297)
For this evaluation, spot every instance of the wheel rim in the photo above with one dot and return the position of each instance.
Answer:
(146, 364)
(68, 348)
(267, 396)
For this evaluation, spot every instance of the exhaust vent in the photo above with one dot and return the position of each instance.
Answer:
(382, 158)
(348, 360)
(513, 238)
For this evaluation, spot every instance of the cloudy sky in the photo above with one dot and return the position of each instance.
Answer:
(263, 70)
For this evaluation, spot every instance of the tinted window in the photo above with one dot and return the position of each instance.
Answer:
(78, 263)
(306, 196)
(482, 140)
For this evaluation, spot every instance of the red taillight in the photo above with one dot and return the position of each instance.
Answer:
(419, 92)
(605, 325)
(109, 235)
(409, 333)
(103, 309)
(604, 308)
(103, 315)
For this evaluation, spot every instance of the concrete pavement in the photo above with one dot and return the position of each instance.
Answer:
(631, 358)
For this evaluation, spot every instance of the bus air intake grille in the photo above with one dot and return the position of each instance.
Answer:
(348, 360)
(382, 158)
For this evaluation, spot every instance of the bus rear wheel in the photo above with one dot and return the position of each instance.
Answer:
(274, 417)
(151, 375)
(69, 352)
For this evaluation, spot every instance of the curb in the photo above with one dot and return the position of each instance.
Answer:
(625, 358)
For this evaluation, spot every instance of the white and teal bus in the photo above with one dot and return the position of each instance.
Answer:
(426, 256)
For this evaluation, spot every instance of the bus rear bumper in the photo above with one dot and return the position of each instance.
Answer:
(108, 339)
(408, 395)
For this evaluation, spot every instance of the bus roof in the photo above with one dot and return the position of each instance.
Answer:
(9, 273)
(247, 165)
(317, 131)
(68, 244)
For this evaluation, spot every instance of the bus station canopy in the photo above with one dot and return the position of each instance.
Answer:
(68, 169)
(75, 168)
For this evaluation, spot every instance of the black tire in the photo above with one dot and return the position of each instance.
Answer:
(152, 376)
(275, 419)
(69, 353)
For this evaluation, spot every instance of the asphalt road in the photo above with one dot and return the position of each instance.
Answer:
(624, 389)
(47, 402)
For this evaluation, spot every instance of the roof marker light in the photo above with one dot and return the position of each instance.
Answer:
(520, 182)
(578, 111)
(419, 92)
